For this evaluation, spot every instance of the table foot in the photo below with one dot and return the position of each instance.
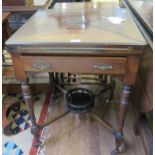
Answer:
(37, 142)
(114, 152)
(119, 141)
(35, 130)
(120, 150)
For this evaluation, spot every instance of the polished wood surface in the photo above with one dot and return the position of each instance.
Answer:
(144, 10)
(84, 134)
(85, 40)
(73, 6)
(86, 65)
(85, 26)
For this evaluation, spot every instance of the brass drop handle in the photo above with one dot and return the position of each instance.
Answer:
(41, 65)
(103, 67)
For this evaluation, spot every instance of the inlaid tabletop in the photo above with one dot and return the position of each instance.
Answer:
(144, 10)
(80, 5)
(83, 25)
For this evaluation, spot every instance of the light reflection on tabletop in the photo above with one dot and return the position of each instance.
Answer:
(87, 23)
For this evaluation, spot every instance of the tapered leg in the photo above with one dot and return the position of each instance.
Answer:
(118, 134)
(28, 100)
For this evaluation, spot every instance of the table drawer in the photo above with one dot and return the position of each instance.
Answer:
(92, 65)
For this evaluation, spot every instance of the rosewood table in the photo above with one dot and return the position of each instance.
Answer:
(88, 40)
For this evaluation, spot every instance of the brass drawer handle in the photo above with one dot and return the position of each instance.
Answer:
(103, 67)
(41, 65)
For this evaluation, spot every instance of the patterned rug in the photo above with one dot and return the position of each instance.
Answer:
(20, 141)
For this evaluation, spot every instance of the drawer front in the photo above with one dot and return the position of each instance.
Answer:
(90, 65)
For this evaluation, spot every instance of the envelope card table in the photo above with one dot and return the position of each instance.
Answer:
(90, 39)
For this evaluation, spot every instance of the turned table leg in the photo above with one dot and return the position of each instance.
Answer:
(35, 130)
(118, 134)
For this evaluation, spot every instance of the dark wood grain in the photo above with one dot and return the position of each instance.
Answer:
(35, 129)
(18, 67)
(72, 64)
(131, 70)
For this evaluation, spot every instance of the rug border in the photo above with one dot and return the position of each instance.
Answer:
(41, 120)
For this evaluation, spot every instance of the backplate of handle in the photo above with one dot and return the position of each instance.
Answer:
(103, 67)
(41, 65)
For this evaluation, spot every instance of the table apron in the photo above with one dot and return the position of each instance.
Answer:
(75, 64)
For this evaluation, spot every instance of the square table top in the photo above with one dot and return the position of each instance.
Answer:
(89, 24)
